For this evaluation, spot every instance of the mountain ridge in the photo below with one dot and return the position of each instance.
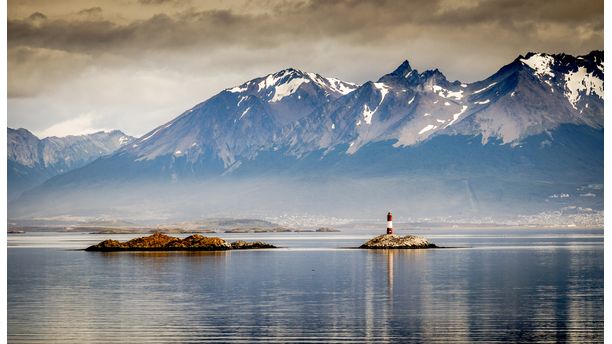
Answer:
(537, 104)
(31, 160)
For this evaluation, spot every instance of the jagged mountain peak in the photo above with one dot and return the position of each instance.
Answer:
(403, 69)
(278, 85)
(404, 76)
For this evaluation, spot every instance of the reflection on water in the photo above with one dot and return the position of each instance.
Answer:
(545, 293)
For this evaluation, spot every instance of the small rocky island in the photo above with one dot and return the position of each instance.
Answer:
(162, 242)
(394, 241)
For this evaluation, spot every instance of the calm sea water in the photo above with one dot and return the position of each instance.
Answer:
(495, 286)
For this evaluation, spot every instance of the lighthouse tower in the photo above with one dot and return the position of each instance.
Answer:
(389, 223)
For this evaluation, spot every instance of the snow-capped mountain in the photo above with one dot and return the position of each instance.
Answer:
(533, 126)
(305, 112)
(536, 93)
(529, 96)
(239, 121)
(31, 160)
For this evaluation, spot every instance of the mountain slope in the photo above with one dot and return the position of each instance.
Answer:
(31, 160)
(238, 122)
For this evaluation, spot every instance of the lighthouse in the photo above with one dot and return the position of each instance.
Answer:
(389, 223)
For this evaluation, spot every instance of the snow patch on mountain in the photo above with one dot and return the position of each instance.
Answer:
(582, 81)
(427, 128)
(367, 113)
(540, 63)
(384, 89)
(238, 89)
(124, 139)
(245, 112)
(288, 88)
(485, 88)
(243, 98)
(270, 80)
(444, 93)
(151, 134)
(341, 87)
(457, 115)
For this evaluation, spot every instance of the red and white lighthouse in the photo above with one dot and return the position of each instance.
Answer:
(389, 223)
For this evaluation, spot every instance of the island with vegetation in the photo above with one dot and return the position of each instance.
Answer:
(162, 242)
(394, 241)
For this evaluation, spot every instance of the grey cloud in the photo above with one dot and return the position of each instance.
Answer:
(34, 70)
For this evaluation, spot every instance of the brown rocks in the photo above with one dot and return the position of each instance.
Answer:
(394, 241)
(327, 230)
(242, 245)
(162, 242)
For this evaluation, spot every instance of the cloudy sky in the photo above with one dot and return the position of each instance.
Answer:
(78, 66)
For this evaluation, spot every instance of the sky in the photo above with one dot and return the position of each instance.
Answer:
(80, 66)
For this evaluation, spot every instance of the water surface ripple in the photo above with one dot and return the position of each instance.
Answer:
(498, 286)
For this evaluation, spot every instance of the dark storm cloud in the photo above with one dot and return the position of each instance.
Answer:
(366, 22)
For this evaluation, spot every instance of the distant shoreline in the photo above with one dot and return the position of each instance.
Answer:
(149, 230)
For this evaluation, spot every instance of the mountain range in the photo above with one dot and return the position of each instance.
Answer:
(32, 161)
(413, 140)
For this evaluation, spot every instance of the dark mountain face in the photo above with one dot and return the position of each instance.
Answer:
(31, 160)
(407, 124)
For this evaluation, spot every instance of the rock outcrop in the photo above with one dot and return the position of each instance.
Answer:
(162, 242)
(394, 241)
(327, 230)
(244, 245)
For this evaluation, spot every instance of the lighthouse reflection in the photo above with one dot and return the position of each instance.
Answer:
(390, 274)
(396, 285)
(390, 258)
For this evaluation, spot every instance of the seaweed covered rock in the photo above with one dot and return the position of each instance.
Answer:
(162, 242)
